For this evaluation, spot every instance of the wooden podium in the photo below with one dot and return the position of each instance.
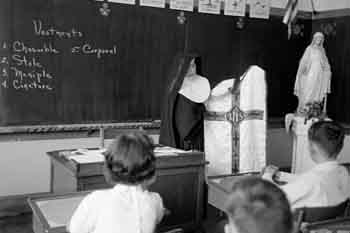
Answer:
(180, 182)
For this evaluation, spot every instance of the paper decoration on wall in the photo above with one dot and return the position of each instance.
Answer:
(181, 18)
(153, 3)
(209, 6)
(259, 9)
(184, 5)
(235, 7)
(104, 9)
(329, 28)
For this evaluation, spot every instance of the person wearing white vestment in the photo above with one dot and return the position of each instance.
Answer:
(313, 78)
(244, 151)
(326, 184)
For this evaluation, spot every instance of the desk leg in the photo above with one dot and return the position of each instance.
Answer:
(201, 200)
(37, 226)
(51, 175)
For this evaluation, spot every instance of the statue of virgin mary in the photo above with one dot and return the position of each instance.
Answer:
(313, 79)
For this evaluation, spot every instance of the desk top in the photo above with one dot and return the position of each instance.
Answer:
(55, 211)
(89, 162)
(219, 187)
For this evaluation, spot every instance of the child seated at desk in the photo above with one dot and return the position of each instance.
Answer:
(128, 207)
(328, 183)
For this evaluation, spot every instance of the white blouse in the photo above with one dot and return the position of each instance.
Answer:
(326, 184)
(127, 209)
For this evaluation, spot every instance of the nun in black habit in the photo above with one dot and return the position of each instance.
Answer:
(183, 108)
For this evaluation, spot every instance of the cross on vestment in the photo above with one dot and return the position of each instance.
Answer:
(235, 116)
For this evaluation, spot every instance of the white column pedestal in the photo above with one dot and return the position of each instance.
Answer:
(301, 161)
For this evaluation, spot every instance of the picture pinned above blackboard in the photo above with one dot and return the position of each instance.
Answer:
(235, 7)
(185, 5)
(259, 9)
(209, 6)
(153, 3)
(129, 2)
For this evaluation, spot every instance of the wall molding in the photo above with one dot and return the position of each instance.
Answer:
(331, 14)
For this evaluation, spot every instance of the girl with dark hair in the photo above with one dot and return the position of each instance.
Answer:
(182, 113)
(128, 207)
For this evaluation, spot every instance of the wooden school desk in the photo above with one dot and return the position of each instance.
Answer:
(219, 187)
(180, 182)
(51, 213)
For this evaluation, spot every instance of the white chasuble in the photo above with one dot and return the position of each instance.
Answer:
(235, 124)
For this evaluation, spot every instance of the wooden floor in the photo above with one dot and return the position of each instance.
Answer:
(23, 223)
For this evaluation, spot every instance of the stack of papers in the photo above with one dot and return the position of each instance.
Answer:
(96, 156)
(168, 151)
(87, 156)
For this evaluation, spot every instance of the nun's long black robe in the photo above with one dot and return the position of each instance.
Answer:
(181, 118)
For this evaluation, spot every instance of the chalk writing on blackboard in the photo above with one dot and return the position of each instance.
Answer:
(27, 72)
(27, 80)
(24, 61)
(18, 46)
(88, 49)
(39, 75)
(39, 30)
(21, 68)
(4, 60)
(4, 45)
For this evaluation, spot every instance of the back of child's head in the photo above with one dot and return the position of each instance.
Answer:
(258, 206)
(130, 159)
(328, 135)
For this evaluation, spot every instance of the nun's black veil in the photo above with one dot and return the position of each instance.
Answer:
(175, 78)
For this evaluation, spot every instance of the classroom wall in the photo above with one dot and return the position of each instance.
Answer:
(25, 167)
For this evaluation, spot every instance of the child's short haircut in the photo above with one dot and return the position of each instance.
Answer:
(258, 206)
(130, 159)
(329, 135)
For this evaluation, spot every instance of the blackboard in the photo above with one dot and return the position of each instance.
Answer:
(126, 80)
(62, 62)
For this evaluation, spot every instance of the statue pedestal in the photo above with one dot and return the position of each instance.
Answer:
(301, 161)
